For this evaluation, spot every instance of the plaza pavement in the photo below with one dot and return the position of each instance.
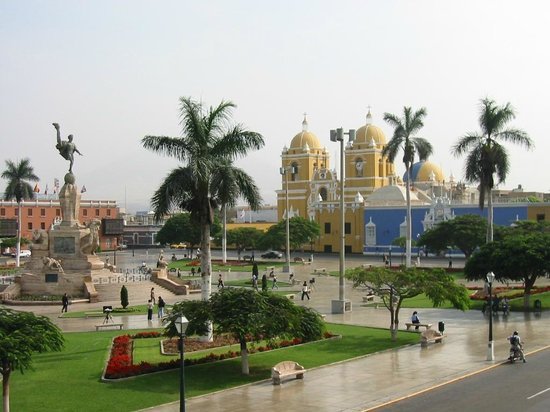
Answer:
(366, 382)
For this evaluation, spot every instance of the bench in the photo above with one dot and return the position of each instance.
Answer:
(291, 296)
(424, 325)
(299, 259)
(319, 270)
(372, 299)
(108, 325)
(286, 368)
(430, 335)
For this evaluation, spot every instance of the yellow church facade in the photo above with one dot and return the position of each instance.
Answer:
(310, 187)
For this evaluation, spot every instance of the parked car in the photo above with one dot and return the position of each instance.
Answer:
(22, 253)
(178, 246)
(272, 254)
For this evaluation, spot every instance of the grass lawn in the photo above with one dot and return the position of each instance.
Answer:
(118, 311)
(216, 267)
(248, 283)
(69, 380)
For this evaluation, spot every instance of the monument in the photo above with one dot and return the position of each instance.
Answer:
(64, 258)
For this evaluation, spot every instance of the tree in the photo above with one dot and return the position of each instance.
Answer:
(302, 231)
(207, 147)
(393, 286)
(485, 154)
(518, 254)
(179, 229)
(124, 297)
(21, 335)
(246, 314)
(18, 176)
(466, 232)
(402, 139)
(244, 238)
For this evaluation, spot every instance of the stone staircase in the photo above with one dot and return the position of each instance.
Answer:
(138, 292)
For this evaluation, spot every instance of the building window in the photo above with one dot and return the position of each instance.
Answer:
(58, 212)
(541, 217)
(85, 212)
(327, 227)
(347, 248)
(43, 212)
(42, 225)
(323, 193)
(327, 249)
(359, 165)
(347, 228)
(29, 212)
(29, 225)
(17, 212)
(97, 212)
(2, 212)
(294, 172)
(108, 212)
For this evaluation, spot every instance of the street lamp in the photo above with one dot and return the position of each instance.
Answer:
(390, 256)
(285, 171)
(181, 326)
(341, 305)
(491, 346)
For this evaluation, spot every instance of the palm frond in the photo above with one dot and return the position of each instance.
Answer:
(423, 147)
(516, 136)
(466, 142)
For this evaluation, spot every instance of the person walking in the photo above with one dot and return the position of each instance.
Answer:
(161, 304)
(149, 309)
(305, 290)
(153, 296)
(65, 302)
(255, 282)
(192, 271)
(220, 281)
(274, 282)
(264, 283)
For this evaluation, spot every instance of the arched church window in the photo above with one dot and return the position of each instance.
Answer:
(359, 166)
(323, 193)
(294, 172)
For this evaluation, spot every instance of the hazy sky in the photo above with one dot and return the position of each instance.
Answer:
(111, 72)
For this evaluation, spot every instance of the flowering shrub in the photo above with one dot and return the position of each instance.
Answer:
(479, 295)
(145, 335)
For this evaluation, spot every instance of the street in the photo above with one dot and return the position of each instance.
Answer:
(508, 387)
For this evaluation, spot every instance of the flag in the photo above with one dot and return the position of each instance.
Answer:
(83, 189)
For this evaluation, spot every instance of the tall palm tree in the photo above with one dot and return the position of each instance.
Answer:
(18, 188)
(403, 139)
(207, 146)
(486, 156)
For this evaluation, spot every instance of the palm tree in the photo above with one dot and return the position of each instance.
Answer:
(404, 129)
(486, 156)
(18, 175)
(207, 147)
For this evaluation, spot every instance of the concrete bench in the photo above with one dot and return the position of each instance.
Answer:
(291, 296)
(431, 335)
(424, 325)
(372, 299)
(286, 368)
(319, 270)
(108, 325)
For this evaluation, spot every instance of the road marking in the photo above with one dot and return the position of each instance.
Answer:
(538, 393)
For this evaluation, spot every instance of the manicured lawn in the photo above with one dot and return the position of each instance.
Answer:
(248, 283)
(130, 310)
(69, 380)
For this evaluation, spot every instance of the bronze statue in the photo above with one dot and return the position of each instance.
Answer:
(66, 147)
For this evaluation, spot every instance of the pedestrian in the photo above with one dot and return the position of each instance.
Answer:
(149, 309)
(450, 263)
(161, 304)
(65, 302)
(272, 273)
(384, 258)
(220, 281)
(199, 271)
(274, 282)
(305, 290)
(312, 284)
(416, 320)
(193, 271)
(153, 295)
(255, 282)
(179, 273)
(264, 283)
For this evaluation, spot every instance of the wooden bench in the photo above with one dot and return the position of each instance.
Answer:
(108, 325)
(319, 270)
(430, 335)
(424, 325)
(286, 368)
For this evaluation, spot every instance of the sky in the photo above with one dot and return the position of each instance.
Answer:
(111, 72)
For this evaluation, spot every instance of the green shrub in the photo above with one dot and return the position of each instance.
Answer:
(124, 297)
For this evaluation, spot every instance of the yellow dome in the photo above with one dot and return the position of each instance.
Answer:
(427, 171)
(368, 133)
(304, 138)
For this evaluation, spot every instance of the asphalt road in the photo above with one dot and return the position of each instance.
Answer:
(508, 387)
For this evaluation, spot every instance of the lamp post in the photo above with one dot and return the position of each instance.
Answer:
(340, 305)
(285, 171)
(181, 326)
(490, 346)
(390, 256)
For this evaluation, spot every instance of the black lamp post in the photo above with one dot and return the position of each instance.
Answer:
(181, 326)
(390, 256)
(490, 347)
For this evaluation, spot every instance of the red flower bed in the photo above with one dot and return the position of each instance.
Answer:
(504, 289)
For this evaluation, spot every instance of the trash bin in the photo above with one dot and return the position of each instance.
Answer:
(538, 305)
(441, 326)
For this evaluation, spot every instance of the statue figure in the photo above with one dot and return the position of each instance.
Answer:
(52, 263)
(66, 147)
(90, 242)
(161, 263)
(39, 239)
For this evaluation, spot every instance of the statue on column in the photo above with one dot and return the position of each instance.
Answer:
(66, 147)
